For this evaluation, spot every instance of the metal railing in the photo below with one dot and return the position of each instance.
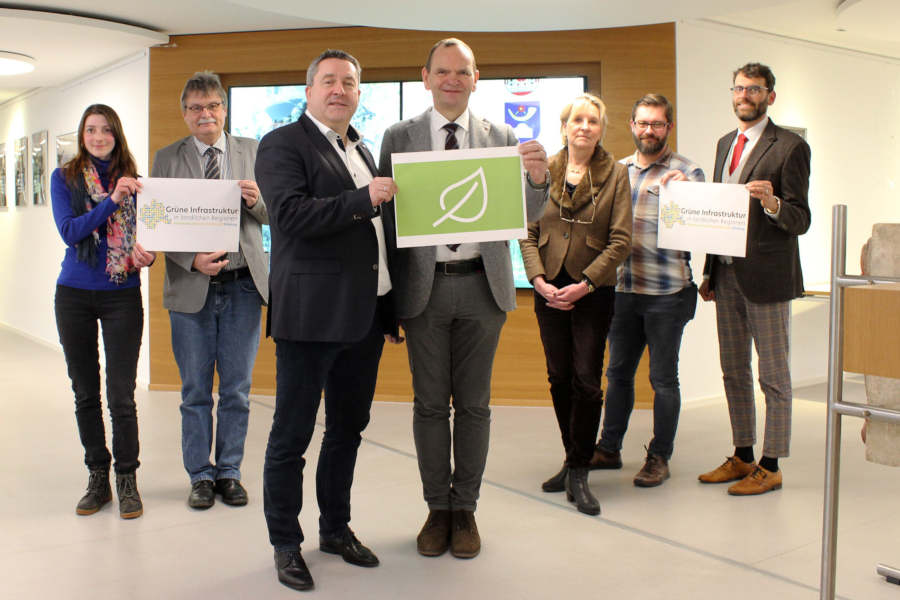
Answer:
(836, 406)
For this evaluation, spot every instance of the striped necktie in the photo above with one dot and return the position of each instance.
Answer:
(211, 171)
(451, 144)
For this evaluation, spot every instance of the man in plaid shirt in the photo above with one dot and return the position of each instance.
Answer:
(655, 298)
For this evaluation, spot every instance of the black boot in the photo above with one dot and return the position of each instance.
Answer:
(577, 491)
(557, 483)
(130, 506)
(98, 492)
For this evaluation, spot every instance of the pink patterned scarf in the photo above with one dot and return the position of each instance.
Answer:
(119, 228)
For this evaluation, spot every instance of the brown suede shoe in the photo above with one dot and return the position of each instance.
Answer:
(464, 539)
(434, 539)
(654, 471)
(731, 470)
(759, 481)
(605, 460)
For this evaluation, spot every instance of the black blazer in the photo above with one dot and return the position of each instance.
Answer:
(770, 271)
(324, 266)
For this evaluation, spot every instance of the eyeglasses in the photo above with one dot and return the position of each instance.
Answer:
(199, 108)
(593, 202)
(654, 125)
(752, 90)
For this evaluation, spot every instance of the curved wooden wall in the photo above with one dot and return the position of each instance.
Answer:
(622, 64)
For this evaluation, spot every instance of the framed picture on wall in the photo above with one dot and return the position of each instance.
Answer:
(39, 168)
(66, 148)
(2, 175)
(21, 154)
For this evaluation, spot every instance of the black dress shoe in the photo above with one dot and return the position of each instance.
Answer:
(292, 570)
(233, 493)
(202, 494)
(350, 548)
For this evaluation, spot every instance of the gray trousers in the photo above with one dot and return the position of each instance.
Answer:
(769, 327)
(451, 347)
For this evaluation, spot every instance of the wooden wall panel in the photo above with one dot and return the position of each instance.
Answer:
(622, 64)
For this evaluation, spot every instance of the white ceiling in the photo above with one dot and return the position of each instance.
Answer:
(70, 38)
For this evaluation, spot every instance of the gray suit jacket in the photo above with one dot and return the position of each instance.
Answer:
(184, 289)
(413, 274)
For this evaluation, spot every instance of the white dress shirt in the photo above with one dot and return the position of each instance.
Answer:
(361, 175)
(438, 140)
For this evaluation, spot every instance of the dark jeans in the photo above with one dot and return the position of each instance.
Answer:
(347, 373)
(643, 320)
(122, 318)
(574, 343)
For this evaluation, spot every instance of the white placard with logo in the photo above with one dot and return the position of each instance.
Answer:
(189, 215)
(704, 217)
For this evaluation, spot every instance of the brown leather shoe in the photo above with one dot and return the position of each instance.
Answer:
(464, 539)
(759, 481)
(603, 459)
(434, 539)
(654, 471)
(731, 470)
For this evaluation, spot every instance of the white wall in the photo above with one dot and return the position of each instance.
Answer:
(31, 249)
(847, 101)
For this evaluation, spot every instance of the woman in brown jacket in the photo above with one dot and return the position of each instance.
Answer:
(571, 255)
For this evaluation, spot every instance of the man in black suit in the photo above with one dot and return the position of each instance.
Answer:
(753, 294)
(330, 309)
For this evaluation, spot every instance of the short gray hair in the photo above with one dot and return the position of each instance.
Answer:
(204, 82)
(339, 54)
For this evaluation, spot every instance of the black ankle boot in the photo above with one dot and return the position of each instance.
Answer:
(130, 505)
(98, 492)
(557, 483)
(577, 491)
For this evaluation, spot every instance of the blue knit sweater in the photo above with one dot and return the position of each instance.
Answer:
(75, 273)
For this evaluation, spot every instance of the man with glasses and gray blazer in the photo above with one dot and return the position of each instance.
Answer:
(214, 300)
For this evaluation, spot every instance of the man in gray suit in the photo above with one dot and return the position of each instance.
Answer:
(214, 299)
(452, 302)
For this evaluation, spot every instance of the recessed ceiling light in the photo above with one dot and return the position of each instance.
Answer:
(14, 63)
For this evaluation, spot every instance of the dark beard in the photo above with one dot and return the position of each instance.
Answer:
(759, 110)
(647, 147)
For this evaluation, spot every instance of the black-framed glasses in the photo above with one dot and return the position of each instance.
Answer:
(752, 90)
(199, 108)
(654, 125)
(594, 199)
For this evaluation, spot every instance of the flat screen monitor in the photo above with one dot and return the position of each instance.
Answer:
(530, 105)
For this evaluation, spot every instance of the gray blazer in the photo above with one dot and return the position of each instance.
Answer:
(413, 274)
(184, 289)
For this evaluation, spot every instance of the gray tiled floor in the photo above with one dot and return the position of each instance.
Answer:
(682, 540)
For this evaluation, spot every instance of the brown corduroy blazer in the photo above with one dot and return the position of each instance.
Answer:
(585, 250)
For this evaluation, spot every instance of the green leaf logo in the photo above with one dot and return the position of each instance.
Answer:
(475, 178)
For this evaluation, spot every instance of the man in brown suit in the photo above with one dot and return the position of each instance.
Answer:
(753, 294)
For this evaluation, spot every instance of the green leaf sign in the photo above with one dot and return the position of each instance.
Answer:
(459, 196)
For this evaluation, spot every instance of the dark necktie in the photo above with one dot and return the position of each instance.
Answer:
(211, 171)
(451, 144)
(736, 155)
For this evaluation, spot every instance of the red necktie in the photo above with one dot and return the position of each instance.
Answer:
(736, 155)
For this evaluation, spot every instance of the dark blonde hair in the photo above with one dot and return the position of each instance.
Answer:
(121, 162)
(567, 112)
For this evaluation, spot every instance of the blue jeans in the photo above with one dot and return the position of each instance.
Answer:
(643, 320)
(222, 336)
(347, 373)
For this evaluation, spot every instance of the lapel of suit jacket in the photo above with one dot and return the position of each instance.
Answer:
(235, 157)
(327, 151)
(766, 140)
(722, 154)
(478, 132)
(187, 156)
